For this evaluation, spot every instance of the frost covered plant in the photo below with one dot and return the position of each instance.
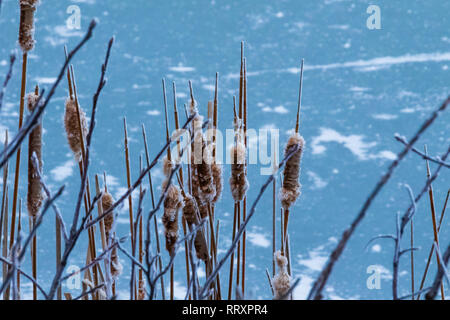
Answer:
(71, 123)
(26, 26)
(190, 211)
(282, 281)
(34, 195)
(107, 203)
(238, 180)
(202, 175)
(173, 202)
(290, 189)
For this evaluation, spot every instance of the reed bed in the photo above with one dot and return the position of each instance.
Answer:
(193, 190)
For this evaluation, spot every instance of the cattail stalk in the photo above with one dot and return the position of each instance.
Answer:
(158, 246)
(79, 130)
(432, 249)
(26, 42)
(290, 190)
(433, 218)
(34, 195)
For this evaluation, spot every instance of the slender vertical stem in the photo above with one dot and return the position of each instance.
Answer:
(127, 162)
(433, 217)
(430, 255)
(297, 125)
(16, 176)
(158, 246)
(230, 279)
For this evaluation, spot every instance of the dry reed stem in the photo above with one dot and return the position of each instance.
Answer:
(158, 246)
(282, 281)
(17, 169)
(26, 24)
(433, 218)
(430, 255)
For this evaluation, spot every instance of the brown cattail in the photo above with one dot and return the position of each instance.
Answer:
(282, 281)
(218, 180)
(190, 213)
(201, 160)
(34, 195)
(172, 204)
(290, 190)
(26, 28)
(238, 180)
(73, 129)
(107, 203)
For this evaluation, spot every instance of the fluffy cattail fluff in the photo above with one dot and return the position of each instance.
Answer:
(172, 204)
(34, 195)
(72, 127)
(107, 202)
(201, 160)
(281, 283)
(238, 180)
(290, 190)
(26, 26)
(218, 180)
(190, 210)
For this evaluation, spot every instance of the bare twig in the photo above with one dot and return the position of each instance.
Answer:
(423, 155)
(12, 59)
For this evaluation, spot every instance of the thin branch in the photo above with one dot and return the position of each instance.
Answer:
(319, 284)
(423, 155)
(12, 59)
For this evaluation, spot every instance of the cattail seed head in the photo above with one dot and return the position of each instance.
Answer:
(172, 204)
(218, 180)
(238, 180)
(26, 26)
(282, 281)
(290, 190)
(73, 129)
(190, 211)
(34, 194)
(107, 203)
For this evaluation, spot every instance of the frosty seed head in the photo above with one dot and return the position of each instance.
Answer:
(73, 129)
(26, 26)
